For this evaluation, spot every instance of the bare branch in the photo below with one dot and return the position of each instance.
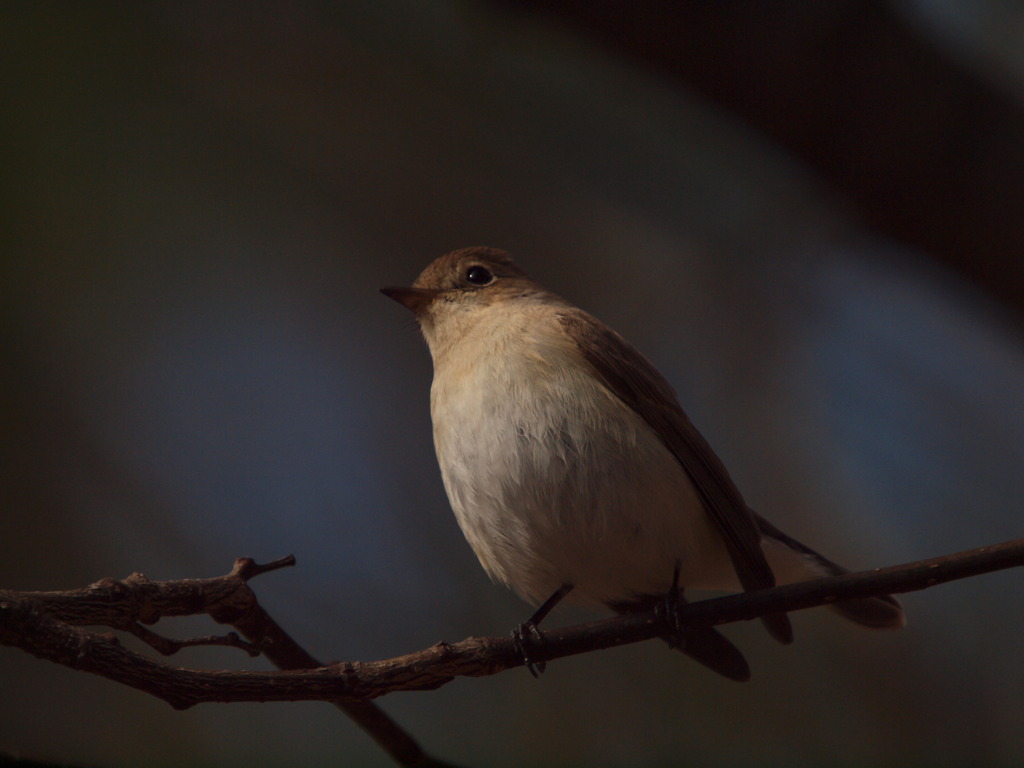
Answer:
(38, 623)
(168, 646)
(46, 624)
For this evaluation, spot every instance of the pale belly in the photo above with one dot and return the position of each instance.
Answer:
(566, 493)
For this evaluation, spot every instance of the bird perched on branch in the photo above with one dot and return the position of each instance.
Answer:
(573, 471)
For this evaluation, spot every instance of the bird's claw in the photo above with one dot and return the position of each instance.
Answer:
(668, 612)
(527, 640)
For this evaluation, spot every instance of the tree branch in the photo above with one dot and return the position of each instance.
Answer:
(47, 625)
(42, 623)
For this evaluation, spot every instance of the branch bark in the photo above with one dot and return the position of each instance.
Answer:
(48, 624)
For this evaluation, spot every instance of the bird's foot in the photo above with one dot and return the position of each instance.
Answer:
(527, 641)
(526, 638)
(668, 611)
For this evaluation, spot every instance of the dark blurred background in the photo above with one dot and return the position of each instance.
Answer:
(809, 214)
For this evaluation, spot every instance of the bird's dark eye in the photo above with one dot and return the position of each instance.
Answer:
(479, 275)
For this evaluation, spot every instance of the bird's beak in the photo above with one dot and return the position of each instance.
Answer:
(415, 299)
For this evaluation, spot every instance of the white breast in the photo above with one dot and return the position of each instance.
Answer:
(553, 479)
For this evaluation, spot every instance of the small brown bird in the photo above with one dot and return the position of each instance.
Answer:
(574, 472)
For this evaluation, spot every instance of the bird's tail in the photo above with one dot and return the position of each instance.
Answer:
(705, 645)
(793, 561)
(712, 649)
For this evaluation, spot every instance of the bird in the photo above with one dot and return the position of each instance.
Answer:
(575, 474)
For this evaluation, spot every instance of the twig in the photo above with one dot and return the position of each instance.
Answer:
(168, 646)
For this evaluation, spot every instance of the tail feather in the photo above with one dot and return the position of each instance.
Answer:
(705, 645)
(778, 626)
(794, 561)
(883, 612)
(712, 649)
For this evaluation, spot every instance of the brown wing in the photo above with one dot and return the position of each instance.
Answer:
(637, 383)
